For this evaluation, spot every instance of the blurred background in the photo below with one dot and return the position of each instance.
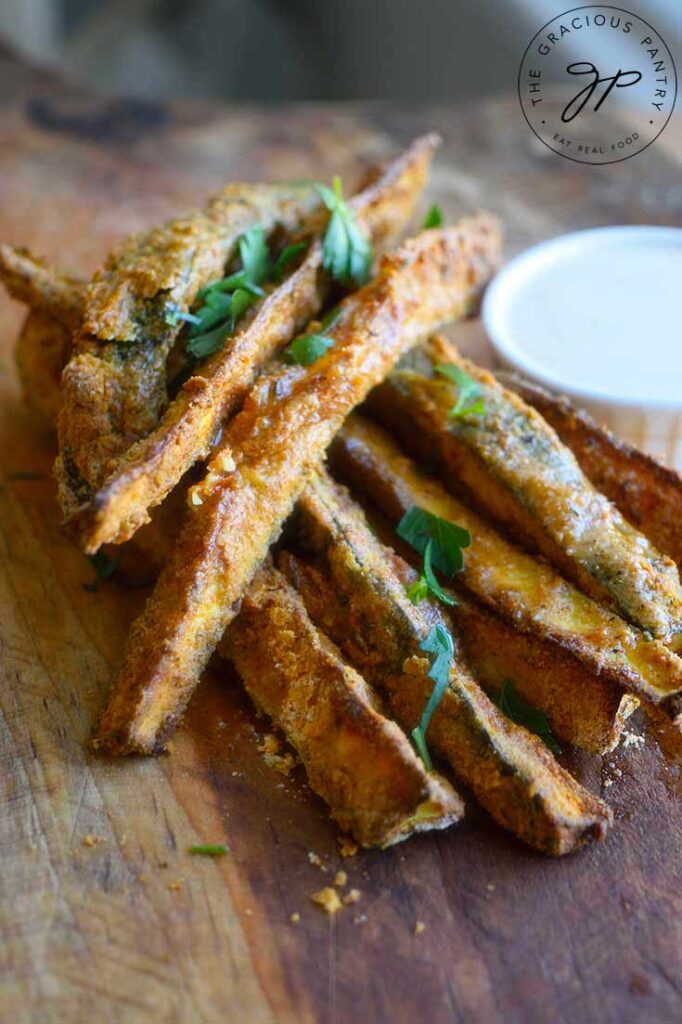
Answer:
(268, 50)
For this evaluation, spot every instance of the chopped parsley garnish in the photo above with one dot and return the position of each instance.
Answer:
(470, 400)
(346, 254)
(307, 349)
(430, 577)
(434, 218)
(174, 315)
(441, 543)
(206, 344)
(419, 590)
(287, 256)
(440, 646)
(346, 250)
(221, 309)
(104, 566)
(209, 850)
(226, 300)
(254, 254)
(516, 709)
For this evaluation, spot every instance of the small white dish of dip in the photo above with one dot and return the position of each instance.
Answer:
(596, 315)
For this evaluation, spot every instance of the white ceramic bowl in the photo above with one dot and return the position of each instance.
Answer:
(595, 315)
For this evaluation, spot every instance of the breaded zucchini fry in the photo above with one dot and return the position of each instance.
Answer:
(356, 759)
(152, 466)
(114, 387)
(356, 597)
(261, 466)
(41, 352)
(515, 468)
(520, 589)
(647, 493)
(41, 286)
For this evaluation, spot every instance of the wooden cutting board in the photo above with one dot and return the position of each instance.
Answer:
(105, 915)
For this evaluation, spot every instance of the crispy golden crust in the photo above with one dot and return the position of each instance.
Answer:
(42, 349)
(581, 709)
(286, 424)
(515, 468)
(152, 466)
(354, 595)
(41, 286)
(114, 385)
(520, 589)
(356, 759)
(647, 493)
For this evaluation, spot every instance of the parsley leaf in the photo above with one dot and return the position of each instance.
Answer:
(209, 849)
(253, 250)
(206, 344)
(225, 300)
(434, 218)
(346, 250)
(215, 311)
(418, 526)
(287, 255)
(515, 708)
(307, 350)
(104, 566)
(441, 543)
(470, 401)
(241, 300)
(418, 590)
(440, 645)
(225, 314)
(431, 581)
(227, 284)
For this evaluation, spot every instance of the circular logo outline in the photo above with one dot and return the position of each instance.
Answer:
(575, 159)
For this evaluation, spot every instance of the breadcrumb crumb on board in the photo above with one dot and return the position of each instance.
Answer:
(316, 860)
(347, 848)
(327, 899)
(270, 748)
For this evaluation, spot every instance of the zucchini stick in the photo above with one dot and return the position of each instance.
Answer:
(41, 352)
(114, 386)
(515, 468)
(40, 286)
(647, 493)
(261, 467)
(360, 602)
(522, 590)
(356, 759)
(188, 428)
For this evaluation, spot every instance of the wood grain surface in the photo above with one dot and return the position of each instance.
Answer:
(105, 916)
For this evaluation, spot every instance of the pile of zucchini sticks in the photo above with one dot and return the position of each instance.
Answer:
(422, 575)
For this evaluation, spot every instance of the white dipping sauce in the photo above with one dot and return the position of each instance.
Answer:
(595, 312)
